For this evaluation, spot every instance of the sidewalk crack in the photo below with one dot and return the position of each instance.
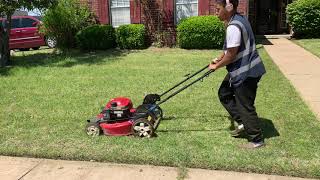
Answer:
(31, 169)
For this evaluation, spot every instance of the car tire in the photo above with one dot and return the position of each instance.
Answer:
(36, 48)
(51, 42)
(24, 49)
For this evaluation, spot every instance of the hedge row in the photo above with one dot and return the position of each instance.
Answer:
(131, 36)
(200, 32)
(100, 37)
(304, 18)
(96, 37)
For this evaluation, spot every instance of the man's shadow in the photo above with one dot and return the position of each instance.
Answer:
(268, 128)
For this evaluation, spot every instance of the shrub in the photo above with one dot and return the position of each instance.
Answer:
(200, 32)
(64, 20)
(131, 36)
(304, 18)
(96, 37)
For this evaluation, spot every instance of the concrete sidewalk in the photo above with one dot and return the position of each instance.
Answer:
(15, 168)
(301, 67)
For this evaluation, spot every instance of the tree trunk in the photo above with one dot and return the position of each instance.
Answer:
(1, 45)
(5, 35)
(2, 36)
(6, 41)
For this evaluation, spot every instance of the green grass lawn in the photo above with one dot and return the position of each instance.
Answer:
(46, 98)
(312, 45)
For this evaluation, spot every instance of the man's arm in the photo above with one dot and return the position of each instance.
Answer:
(215, 60)
(226, 59)
(233, 42)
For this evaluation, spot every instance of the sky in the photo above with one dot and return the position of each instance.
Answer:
(34, 12)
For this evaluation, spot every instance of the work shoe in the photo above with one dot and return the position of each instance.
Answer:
(238, 131)
(252, 145)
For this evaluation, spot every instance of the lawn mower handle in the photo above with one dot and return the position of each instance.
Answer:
(188, 85)
(189, 77)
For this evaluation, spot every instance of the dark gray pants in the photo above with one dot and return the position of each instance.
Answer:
(239, 102)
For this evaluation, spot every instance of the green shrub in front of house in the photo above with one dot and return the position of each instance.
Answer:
(200, 32)
(131, 36)
(304, 18)
(96, 37)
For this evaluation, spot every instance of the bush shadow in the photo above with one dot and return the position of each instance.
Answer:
(263, 41)
(5, 71)
(66, 59)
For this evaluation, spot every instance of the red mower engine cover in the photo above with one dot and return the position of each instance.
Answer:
(119, 108)
(117, 112)
(122, 103)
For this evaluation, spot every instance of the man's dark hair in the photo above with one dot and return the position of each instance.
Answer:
(235, 3)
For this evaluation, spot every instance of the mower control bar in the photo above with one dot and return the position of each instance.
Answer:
(188, 85)
(189, 77)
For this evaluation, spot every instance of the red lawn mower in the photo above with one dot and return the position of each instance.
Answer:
(120, 118)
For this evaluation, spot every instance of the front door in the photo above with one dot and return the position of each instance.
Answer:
(267, 16)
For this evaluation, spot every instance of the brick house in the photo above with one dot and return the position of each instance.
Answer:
(266, 16)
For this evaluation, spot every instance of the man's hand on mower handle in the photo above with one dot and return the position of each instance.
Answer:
(215, 60)
(213, 65)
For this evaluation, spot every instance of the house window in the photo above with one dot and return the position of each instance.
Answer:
(186, 8)
(120, 12)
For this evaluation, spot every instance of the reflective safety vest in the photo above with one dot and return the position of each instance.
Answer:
(247, 62)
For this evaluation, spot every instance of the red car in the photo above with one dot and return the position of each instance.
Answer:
(25, 33)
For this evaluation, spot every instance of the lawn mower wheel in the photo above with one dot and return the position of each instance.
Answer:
(143, 128)
(93, 129)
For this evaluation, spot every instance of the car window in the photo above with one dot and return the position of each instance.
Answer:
(15, 23)
(27, 22)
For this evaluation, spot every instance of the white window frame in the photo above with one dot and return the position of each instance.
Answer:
(110, 14)
(175, 10)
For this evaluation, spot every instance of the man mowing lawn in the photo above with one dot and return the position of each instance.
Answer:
(237, 92)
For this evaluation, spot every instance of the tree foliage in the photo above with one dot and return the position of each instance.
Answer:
(64, 21)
